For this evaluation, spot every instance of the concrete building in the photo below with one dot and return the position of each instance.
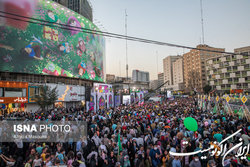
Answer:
(229, 71)
(178, 71)
(160, 79)
(110, 78)
(194, 66)
(153, 84)
(168, 69)
(243, 50)
(173, 72)
(140, 76)
(82, 7)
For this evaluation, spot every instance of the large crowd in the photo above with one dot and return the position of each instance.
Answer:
(134, 135)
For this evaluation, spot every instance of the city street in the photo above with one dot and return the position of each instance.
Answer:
(124, 83)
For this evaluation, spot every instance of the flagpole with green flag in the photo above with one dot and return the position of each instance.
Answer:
(240, 113)
(119, 144)
(215, 109)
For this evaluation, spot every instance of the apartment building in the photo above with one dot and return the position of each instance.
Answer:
(229, 71)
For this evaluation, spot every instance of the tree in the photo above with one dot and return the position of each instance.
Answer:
(207, 89)
(193, 80)
(47, 97)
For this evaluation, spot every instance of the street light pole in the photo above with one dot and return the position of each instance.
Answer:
(126, 43)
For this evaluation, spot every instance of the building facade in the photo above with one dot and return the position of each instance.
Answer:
(153, 84)
(140, 76)
(173, 72)
(82, 7)
(178, 71)
(168, 69)
(160, 79)
(194, 66)
(229, 72)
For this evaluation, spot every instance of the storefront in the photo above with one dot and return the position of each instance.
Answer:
(13, 96)
(69, 95)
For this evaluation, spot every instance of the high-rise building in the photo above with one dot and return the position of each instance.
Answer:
(173, 72)
(178, 71)
(82, 7)
(140, 76)
(194, 66)
(168, 69)
(229, 71)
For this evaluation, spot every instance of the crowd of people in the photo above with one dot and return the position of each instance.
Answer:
(133, 135)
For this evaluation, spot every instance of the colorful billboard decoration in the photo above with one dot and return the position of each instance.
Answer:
(45, 47)
(91, 105)
(110, 101)
(101, 103)
(117, 101)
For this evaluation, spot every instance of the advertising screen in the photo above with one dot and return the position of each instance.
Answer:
(45, 45)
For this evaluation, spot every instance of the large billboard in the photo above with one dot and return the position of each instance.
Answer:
(45, 47)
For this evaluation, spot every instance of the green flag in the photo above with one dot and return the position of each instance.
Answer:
(240, 113)
(215, 109)
(119, 144)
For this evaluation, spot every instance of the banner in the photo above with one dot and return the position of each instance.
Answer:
(117, 101)
(132, 98)
(91, 105)
(110, 101)
(101, 105)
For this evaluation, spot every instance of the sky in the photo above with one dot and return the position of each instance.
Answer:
(226, 25)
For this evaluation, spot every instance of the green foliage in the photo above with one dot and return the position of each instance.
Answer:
(47, 97)
(207, 89)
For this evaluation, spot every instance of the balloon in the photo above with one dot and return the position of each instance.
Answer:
(191, 124)
(168, 121)
(224, 119)
(235, 111)
(206, 123)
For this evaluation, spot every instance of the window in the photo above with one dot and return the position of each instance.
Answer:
(15, 92)
(243, 61)
(1, 92)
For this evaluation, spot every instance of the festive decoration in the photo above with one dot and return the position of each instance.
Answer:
(191, 124)
(50, 33)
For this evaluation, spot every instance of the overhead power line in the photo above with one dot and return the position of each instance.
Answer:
(102, 33)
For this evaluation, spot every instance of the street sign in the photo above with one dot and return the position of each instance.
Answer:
(227, 98)
(244, 99)
(217, 98)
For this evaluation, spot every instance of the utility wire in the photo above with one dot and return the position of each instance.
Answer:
(102, 33)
